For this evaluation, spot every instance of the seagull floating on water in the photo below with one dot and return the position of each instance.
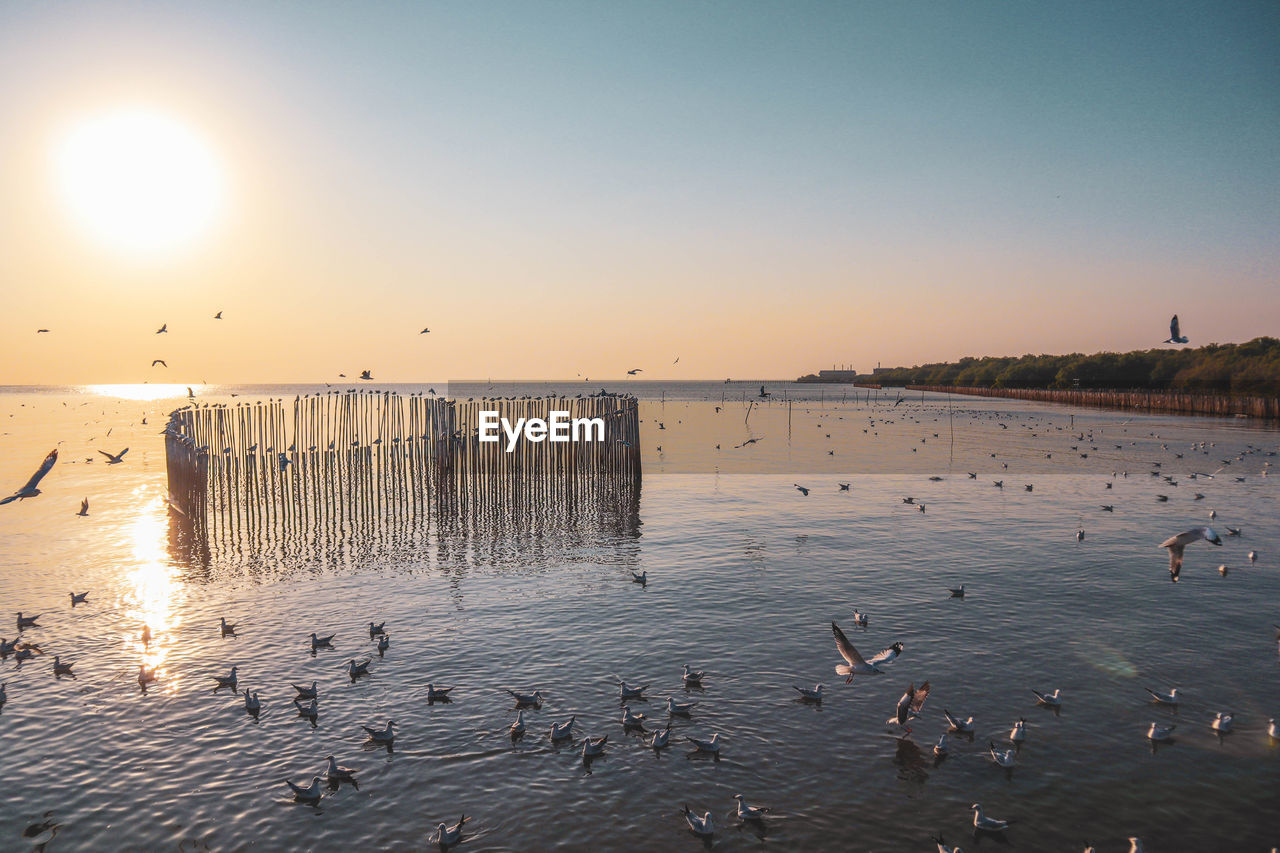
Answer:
(703, 826)
(227, 628)
(534, 699)
(593, 746)
(226, 680)
(692, 676)
(1221, 722)
(1019, 731)
(560, 731)
(338, 773)
(631, 720)
(1170, 698)
(517, 728)
(681, 709)
(78, 598)
(987, 824)
(355, 670)
(1005, 758)
(712, 745)
(642, 578)
(309, 794)
(746, 812)
(306, 692)
(60, 668)
(449, 835)
(438, 694)
(321, 642)
(660, 738)
(386, 735)
(1157, 732)
(375, 630)
(628, 691)
(958, 725)
(807, 694)
(1053, 700)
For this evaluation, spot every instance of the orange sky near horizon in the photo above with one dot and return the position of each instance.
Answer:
(554, 228)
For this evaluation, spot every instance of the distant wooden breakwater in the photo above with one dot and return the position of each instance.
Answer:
(1177, 402)
(331, 467)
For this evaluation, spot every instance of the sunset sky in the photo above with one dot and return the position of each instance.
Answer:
(761, 189)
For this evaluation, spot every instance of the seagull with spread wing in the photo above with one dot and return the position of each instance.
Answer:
(855, 663)
(1175, 333)
(30, 490)
(1178, 544)
(115, 459)
(909, 707)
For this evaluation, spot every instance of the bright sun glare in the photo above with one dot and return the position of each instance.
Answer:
(139, 181)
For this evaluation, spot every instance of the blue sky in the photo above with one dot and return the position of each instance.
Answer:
(841, 182)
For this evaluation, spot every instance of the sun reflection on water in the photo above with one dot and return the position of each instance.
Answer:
(141, 391)
(152, 585)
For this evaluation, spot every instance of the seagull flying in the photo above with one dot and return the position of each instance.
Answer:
(30, 490)
(1175, 333)
(854, 664)
(909, 706)
(114, 459)
(1177, 544)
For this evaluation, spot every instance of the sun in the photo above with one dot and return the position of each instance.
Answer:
(139, 182)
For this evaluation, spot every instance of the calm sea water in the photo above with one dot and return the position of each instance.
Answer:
(746, 574)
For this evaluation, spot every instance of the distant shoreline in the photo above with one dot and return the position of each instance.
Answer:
(1173, 402)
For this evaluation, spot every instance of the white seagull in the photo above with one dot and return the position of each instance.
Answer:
(682, 709)
(338, 773)
(448, 835)
(987, 824)
(628, 691)
(630, 720)
(1053, 700)
(855, 664)
(692, 676)
(251, 702)
(700, 825)
(909, 707)
(308, 794)
(1003, 757)
(1177, 544)
(746, 812)
(321, 642)
(227, 680)
(712, 745)
(30, 490)
(593, 746)
(517, 728)
(1019, 732)
(560, 731)
(1157, 732)
(660, 738)
(1170, 698)
(386, 735)
(535, 698)
(957, 724)
(809, 695)
(355, 670)
(1221, 722)
(306, 692)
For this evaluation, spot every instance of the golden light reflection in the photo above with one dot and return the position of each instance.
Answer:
(152, 586)
(142, 391)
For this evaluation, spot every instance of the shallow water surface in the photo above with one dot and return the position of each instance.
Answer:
(745, 575)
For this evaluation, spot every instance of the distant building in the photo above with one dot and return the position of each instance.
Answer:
(843, 375)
